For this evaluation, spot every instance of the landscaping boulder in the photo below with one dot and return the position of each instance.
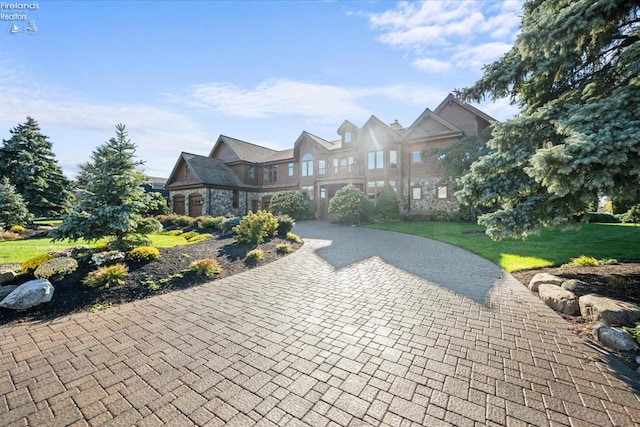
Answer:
(540, 278)
(6, 290)
(576, 286)
(559, 299)
(617, 339)
(28, 295)
(6, 276)
(596, 308)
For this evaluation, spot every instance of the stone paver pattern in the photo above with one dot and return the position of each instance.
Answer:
(341, 333)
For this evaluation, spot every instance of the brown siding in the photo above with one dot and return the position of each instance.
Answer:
(462, 118)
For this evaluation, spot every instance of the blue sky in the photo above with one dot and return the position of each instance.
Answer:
(179, 74)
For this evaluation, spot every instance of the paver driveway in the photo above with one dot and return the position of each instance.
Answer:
(330, 335)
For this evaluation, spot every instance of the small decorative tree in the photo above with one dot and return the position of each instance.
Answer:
(290, 203)
(348, 203)
(13, 210)
(387, 207)
(112, 202)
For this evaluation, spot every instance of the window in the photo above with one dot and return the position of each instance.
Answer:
(376, 159)
(393, 159)
(322, 168)
(335, 167)
(307, 191)
(290, 169)
(347, 137)
(416, 193)
(373, 188)
(442, 191)
(252, 172)
(236, 199)
(416, 156)
(307, 165)
(270, 174)
(323, 193)
(186, 171)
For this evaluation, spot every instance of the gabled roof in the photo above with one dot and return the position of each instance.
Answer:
(371, 130)
(347, 126)
(244, 151)
(439, 129)
(452, 99)
(203, 170)
(327, 145)
(279, 156)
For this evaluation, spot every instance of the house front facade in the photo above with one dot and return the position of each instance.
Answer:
(237, 176)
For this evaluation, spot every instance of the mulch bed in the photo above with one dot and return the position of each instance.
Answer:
(72, 296)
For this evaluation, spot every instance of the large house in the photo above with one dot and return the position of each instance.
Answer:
(237, 176)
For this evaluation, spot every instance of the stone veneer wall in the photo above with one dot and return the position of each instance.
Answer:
(217, 202)
(430, 207)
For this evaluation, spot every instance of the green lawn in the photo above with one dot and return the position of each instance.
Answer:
(16, 251)
(550, 248)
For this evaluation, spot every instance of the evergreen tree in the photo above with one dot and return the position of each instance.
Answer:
(28, 161)
(574, 70)
(387, 206)
(13, 210)
(112, 202)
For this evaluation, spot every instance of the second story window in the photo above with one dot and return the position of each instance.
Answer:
(307, 165)
(376, 159)
(290, 169)
(393, 159)
(322, 168)
(252, 172)
(270, 174)
(416, 156)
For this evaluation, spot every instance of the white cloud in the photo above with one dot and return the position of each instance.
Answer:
(474, 33)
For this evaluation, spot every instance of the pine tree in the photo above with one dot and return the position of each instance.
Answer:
(574, 70)
(112, 201)
(13, 210)
(28, 161)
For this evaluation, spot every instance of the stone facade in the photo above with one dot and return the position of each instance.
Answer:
(437, 200)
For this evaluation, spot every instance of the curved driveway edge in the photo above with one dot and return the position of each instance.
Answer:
(299, 342)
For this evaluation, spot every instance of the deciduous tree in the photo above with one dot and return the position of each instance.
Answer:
(574, 70)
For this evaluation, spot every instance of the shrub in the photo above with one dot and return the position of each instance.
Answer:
(200, 237)
(632, 216)
(292, 203)
(174, 232)
(166, 220)
(255, 227)
(106, 257)
(209, 221)
(349, 203)
(284, 248)
(294, 238)
(189, 234)
(285, 224)
(31, 264)
(255, 255)
(229, 223)
(635, 331)
(8, 235)
(184, 221)
(582, 260)
(387, 207)
(143, 254)
(205, 267)
(17, 229)
(105, 277)
(56, 268)
(601, 217)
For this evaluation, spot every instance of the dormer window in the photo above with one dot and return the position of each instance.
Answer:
(347, 137)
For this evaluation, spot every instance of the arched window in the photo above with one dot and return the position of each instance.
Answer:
(307, 165)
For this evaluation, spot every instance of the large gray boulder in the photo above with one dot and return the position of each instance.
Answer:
(615, 338)
(28, 295)
(559, 299)
(6, 290)
(596, 308)
(541, 278)
(576, 286)
(7, 276)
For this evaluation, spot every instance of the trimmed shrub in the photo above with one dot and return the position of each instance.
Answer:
(166, 220)
(387, 207)
(292, 203)
(284, 248)
(174, 232)
(190, 234)
(56, 268)
(255, 255)
(205, 267)
(8, 235)
(201, 237)
(17, 229)
(349, 203)
(184, 221)
(294, 238)
(143, 254)
(209, 221)
(255, 227)
(601, 217)
(107, 257)
(31, 264)
(285, 224)
(105, 277)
